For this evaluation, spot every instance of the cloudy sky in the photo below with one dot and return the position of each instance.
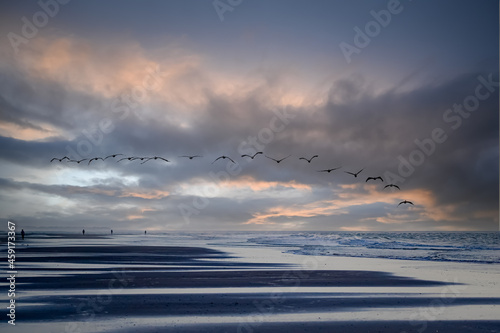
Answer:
(406, 90)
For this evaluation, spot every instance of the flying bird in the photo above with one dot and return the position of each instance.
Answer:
(191, 156)
(329, 170)
(59, 159)
(277, 161)
(374, 178)
(308, 160)
(252, 157)
(155, 158)
(95, 159)
(223, 157)
(79, 161)
(114, 155)
(392, 185)
(126, 158)
(406, 202)
(354, 174)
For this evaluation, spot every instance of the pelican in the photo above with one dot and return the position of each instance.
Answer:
(252, 157)
(126, 158)
(191, 156)
(277, 161)
(392, 185)
(155, 158)
(329, 170)
(95, 159)
(223, 157)
(78, 160)
(354, 174)
(114, 155)
(374, 178)
(59, 159)
(406, 202)
(308, 160)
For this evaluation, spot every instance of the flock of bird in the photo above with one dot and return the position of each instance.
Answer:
(146, 159)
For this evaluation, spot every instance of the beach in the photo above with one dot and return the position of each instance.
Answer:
(129, 283)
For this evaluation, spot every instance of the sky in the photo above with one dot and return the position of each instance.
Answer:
(406, 90)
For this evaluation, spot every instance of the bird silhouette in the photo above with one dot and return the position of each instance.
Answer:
(126, 158)
(354, 174)
(155, 158)
(223, 157)
(329, 170)
(95, 159)
(114, 155)
(308, 160)
(79, 161)
(392, 185)
(406, 202)
(252, 157)
(191, 156)
(277, 161)
(59, 159)
(374, 178)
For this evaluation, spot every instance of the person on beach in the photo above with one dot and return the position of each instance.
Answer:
(83, 232)
(22, 233)
(144, 232)
(111, 231)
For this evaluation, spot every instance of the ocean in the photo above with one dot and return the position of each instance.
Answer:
(473, 247)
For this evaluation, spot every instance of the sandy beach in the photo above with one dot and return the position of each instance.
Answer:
(101, 284)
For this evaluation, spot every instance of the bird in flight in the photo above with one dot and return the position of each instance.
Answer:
(277, 161)
(155, 158)
(252, 157)
(374, 178)
(126, 158)
(114, 155)
(329, 170)
(354, 174)
(406, 202)
(78, 160)
(95, 159)
(392, 185)
(308, 160)
(59, 159)
(223, 157)
(191, 156)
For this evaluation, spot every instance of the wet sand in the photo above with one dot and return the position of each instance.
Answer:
(84, 286)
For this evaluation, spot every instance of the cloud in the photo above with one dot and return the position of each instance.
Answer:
(62, 88)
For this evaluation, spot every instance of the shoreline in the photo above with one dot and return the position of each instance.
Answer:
(225, 288)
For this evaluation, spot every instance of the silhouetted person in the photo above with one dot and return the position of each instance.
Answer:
(83, 232)
(22, 233)
(111, 231)
(144, 232)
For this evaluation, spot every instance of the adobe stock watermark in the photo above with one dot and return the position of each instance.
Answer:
(123, 105)
(31, 27)
(95, 305)
(454, 117)
(222, 6)
(277, 124)
(436, 307)
(373, 28)
(291, 280)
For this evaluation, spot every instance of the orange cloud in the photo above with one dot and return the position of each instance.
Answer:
(153, 194)
(26, 133)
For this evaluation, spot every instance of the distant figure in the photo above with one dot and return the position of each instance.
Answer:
(111, 231)
(83, 232)
(144, 232)
(22, 233)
